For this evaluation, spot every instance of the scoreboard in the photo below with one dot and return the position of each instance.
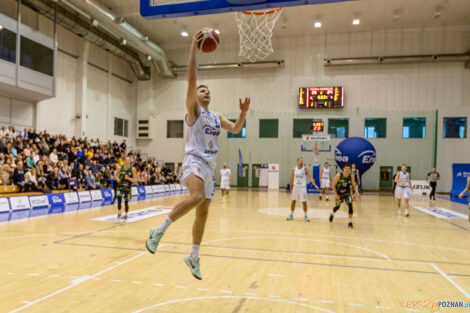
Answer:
(321, 97)
(317, 126)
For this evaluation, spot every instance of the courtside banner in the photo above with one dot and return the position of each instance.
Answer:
(460, 174)
(71, 197)
(141, 190)
(96, 195)
(167, 188)
(20, 203)
(135, 192)
(178, 187)
(172, 187)
(4, 205)
(107, 194)
(442, 213)
(56, 199)
(148, 190)
(39, 201)
(420, 187)
(155, 189)
(135, 216)
(84, 196)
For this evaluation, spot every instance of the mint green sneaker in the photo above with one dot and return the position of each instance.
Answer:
(152, 241)
(306, 218)
(290, 218)
(193, 265)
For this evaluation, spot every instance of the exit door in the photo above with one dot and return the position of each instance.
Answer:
(386, 177)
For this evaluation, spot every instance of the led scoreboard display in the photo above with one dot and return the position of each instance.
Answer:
(317, 126)
(321, 97)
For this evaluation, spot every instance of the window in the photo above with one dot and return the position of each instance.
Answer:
(338, 127)
(36, 56)
(174, 129)
(7, 45)
(455, 127)
(414, 127)
(268, 128)
(302, 126)
(241, 134)
(121, 127)
(375, 128)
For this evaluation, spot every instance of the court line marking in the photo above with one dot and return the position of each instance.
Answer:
(181, 287)
(450, 280)
(33, 274)
(300, 299)
(231, 297)
(158, 284)
(137, 282)
(53, 275)
(275, 297)
(226, 291)
(383, 307)
(354, 304)
(116, 280)
(326, 301)
(250, 294)
(275, 275)
(203, 289)
(303, 239)
(76, 283)
(12, 273)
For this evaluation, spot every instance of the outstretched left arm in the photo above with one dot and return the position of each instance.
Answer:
(238, 125)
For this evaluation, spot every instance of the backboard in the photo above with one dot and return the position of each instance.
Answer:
(157, 9)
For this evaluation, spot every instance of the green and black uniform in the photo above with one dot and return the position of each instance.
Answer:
(124, 187)
(343, 189)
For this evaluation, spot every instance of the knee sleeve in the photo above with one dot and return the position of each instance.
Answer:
(336, 208)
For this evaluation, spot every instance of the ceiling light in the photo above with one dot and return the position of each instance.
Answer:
(356, 21)
(149, 58)
(317, 24)
(184, 33)
(94, 23)
(1, 27)
(217, 31)
(123, 42)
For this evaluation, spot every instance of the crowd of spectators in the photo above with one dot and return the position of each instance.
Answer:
(38, 161)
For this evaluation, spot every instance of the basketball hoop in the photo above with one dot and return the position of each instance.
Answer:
(316, 155)
(256, 29)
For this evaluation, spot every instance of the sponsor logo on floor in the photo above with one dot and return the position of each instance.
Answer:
(442, 213)
(138, 215)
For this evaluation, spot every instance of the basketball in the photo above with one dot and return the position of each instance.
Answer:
(209, 41)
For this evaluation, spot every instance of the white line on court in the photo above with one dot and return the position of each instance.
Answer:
(158, 284)
(96, 278)
(181, 287)
(12, 273)
(232, 297)
(450, 280)
(326, 301)
(116, 280)
(250, 294)
(276, 297)
(226, 291)
(203, 289)
(137, 282)
(33, 274)
(26, 301)
(354, 304)
(53, 275)
(302, 239)
(78, 281)
(275, 275)
(300, 299)
(383, 307)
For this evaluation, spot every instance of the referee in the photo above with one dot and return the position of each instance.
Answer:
(432, 178)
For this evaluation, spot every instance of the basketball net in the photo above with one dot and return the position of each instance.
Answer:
(256, 29)
(316, 155)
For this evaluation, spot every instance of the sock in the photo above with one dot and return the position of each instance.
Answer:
(166, 223)
(350, 220)
(327, 196)
(305, 213)
(195, 252)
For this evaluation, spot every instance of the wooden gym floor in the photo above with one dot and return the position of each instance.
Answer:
(252, 259)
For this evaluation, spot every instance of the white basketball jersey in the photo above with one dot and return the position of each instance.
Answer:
(402, 178)
(300, 179)
(202, 137)
(326, 173)
(225, 173)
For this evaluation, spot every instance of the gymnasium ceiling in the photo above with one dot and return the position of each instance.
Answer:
(296, 21)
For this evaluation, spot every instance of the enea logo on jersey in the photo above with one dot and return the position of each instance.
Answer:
(367, 156)
(209, 130)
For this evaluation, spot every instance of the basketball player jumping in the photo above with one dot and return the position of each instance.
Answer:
(225, 178)
(461, 195)
(199, 161)
(298, 180)
(403, 189)
(325, 181)
(342, 184)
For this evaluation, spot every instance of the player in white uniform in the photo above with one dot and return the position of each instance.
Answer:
(403, 188)
(325, 181)
(298, 181)
(225, 178)
(462, 194)
(201, 150)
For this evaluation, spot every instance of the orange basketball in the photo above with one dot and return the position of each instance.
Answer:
(210, 40)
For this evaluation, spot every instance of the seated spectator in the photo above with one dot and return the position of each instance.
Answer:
(31, 183)
(91, 183)
(18, 176)
(63, 177)
(7, 171)
(53, 156)
(52, 180)
(79, 175)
